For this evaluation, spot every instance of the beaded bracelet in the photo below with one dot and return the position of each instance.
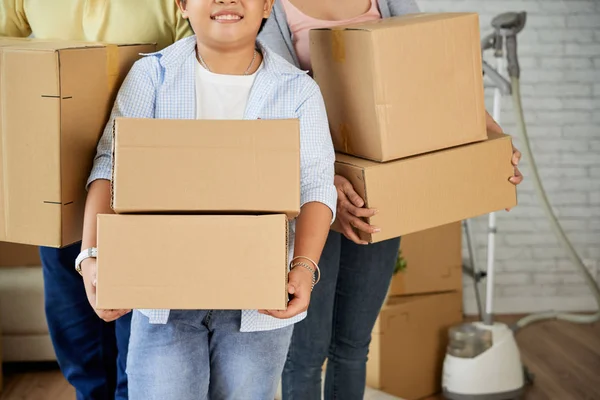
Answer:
(309, 268)
(317, 269)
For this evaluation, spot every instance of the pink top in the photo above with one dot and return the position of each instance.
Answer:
(301, 23)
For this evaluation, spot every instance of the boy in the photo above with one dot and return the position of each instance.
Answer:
(220, 74)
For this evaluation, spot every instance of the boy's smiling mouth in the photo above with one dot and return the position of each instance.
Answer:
(226, 16)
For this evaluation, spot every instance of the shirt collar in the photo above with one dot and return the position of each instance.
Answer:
(176, 54)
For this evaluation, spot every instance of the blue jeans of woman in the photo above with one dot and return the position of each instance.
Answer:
(343, 309)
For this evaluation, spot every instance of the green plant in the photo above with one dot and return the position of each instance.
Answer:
(400, 263)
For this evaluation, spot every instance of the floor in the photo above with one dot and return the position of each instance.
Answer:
(564, 357)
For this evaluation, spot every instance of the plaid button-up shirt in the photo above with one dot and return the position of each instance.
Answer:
(162, 85)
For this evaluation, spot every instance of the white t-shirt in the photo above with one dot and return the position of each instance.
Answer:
(222, 96)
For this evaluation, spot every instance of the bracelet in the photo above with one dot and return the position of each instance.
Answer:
(309, 268)
(318, 270)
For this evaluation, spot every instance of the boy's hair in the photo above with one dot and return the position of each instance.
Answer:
(262, 24)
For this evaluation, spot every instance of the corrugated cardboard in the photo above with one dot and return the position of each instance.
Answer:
(401, 86)
(409, 343)
(433, 261)
(192, 261)
(207, 166)
(19, 255)
(429, 190)
(54, 102)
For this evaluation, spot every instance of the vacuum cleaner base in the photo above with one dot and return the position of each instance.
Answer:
(512, 395)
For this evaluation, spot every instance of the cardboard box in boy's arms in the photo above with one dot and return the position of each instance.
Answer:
(206, 166)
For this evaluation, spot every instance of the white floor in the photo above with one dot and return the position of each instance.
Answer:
(370, 394)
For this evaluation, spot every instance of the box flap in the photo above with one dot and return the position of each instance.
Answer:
(55, 45)
(398, 21)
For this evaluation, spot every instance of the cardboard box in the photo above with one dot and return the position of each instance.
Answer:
(433, 261)
(166, 166)
(19, 255)
(401, 86)
(55, 98)
(409, 343)
(429, 190)
(192, 261)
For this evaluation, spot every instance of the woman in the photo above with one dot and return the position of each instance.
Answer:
(355, 277)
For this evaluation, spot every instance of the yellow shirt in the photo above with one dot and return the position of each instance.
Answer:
(110, 21)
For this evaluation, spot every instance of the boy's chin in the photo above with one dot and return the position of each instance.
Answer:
(230, 37)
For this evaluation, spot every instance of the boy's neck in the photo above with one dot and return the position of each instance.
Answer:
(238, 61)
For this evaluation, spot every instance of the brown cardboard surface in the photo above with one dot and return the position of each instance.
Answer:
(429, 190)
(19, 255)
(207, 166)
(409, 343)
(54, 102)
(433, 261)
(192, 262)
(389, 95)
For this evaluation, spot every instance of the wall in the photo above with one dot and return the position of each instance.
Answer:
(559, 52)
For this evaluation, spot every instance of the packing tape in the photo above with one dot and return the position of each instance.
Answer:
(112, 66)
(344, 131)
(338, 48)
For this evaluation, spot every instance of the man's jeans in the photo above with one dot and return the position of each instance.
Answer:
(91, 353)
(342, 312)
(201, 355)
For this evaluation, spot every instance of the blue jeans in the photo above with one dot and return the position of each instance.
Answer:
(199, 355)
(343, 309)
(90, 352)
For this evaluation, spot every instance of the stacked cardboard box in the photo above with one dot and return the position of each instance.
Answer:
(404, 97)
(203, 218)
(54, 102)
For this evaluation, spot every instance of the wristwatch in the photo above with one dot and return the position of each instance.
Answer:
(92, 252)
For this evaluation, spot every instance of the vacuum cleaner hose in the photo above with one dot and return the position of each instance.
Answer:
(560, 234)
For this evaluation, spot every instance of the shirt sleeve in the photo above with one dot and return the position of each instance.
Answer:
(136, 99)
(401, 7)
(317, 157)
(13, 21)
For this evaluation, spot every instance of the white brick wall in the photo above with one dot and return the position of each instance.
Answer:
(559, 53)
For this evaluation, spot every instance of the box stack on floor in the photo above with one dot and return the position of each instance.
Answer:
(406, 109)
(183, 199)
(55, 98)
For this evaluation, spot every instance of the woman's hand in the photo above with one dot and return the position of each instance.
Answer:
(300, 287)
(517, 178)
(89, 270)
(350, 212)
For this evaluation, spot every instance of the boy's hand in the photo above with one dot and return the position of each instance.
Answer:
(300, 286)
(89, 270)
(350, 212)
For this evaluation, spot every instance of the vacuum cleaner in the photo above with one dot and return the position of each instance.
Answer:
(483, 360)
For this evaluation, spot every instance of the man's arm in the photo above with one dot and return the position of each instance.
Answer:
(13, 21)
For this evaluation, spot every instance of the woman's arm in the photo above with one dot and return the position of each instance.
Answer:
(136, 99)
